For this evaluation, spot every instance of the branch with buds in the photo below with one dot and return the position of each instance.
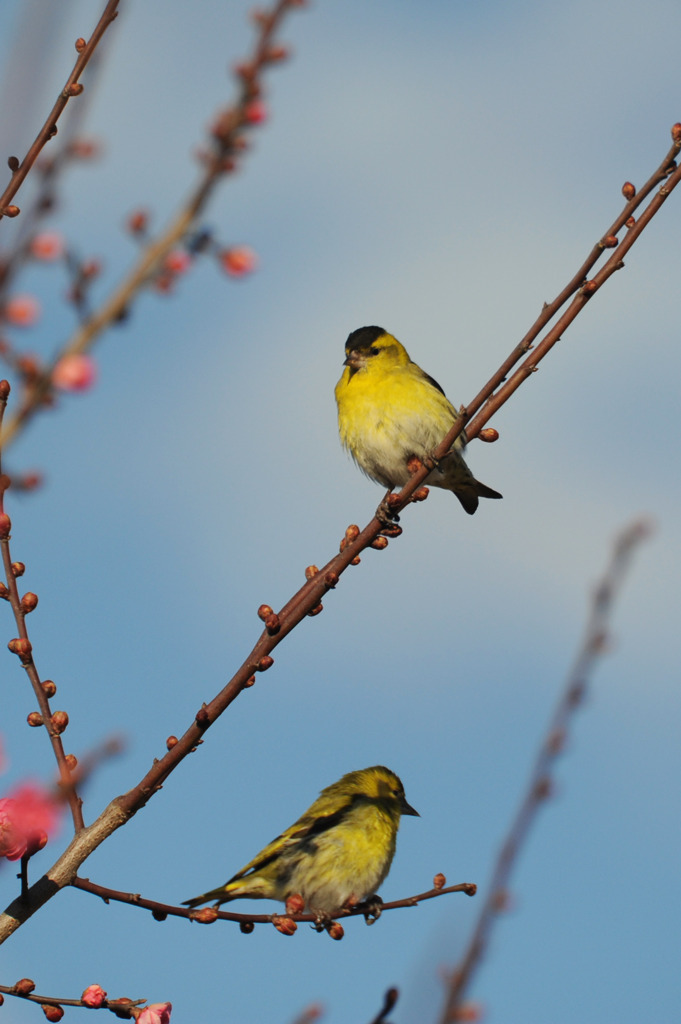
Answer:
(284, 923)
(540, 785)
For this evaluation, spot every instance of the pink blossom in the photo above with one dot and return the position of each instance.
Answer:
(13, 841)
(157, 1013)
(74, 373)
(27, 816)
(94, 996)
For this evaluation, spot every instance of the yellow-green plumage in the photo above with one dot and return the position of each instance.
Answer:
(389, 411)
(338, 852)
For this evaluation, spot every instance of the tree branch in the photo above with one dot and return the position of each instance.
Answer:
(49, 129)
(539, 787)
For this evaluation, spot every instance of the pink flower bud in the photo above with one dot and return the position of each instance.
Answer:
(74, 373)
(238, 261)
(48, 245)
(94, 996)
(255, 112)
(22, 311)
(178, 261)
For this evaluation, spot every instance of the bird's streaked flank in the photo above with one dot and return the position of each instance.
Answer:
(390, 411)
(335, 855)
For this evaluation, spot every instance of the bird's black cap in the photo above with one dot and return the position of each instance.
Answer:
(363, 337)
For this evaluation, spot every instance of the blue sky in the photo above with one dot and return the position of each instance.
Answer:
(440, 169)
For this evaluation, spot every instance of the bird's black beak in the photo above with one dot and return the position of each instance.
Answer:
(406, 808)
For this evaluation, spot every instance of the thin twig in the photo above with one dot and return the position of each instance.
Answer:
(49, 129)
(539, 787)
(22, 647)
(117, 1006)
(163, 910)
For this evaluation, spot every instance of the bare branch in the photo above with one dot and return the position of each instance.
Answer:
(163, 910)
(49, 129)
(21, 645)
(593, 646)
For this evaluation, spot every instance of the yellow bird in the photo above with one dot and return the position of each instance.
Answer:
(390, 410)
(335, 855)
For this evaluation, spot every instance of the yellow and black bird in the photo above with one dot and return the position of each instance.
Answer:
(390, 410)
(335, 855)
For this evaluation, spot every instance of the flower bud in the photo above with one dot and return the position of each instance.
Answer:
(53, 1013)
(206, 915)
(610, 241)
(285, 925)
(250, 681)
(59, 721)
(49, 688)
(75, 89)
(379, 544)
(352, 533)
(356, 561)
(94, 996)
(311, 571)
(336, 931)
(629, 222)
(420, 494)
(24, 987)
(317, 609)
(676, 132)
(11, 211)
(171, 742)
(29, 602)
(34, 719)
(5, 526)
(202, 718)
(22, 648)
(80, 44)
(439, 881)
(264, 611)
(4, 592)
(239, 261)
(71, 762)
(588, 288)
(137, 222)
(628, 191)
(489, 434)
(75, 372)
(295, 904)
(255, 112)
(272, 624)
(265, 662)
(246, 927)
(18, 569)
(4, 390)
(21, 310)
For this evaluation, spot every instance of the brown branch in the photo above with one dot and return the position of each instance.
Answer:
(539, 788)
(49, 129)
(228, 137)
(162, 910)
(118, 1006)
(21, 645)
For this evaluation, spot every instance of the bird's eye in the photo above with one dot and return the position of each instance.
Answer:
(373, 351)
